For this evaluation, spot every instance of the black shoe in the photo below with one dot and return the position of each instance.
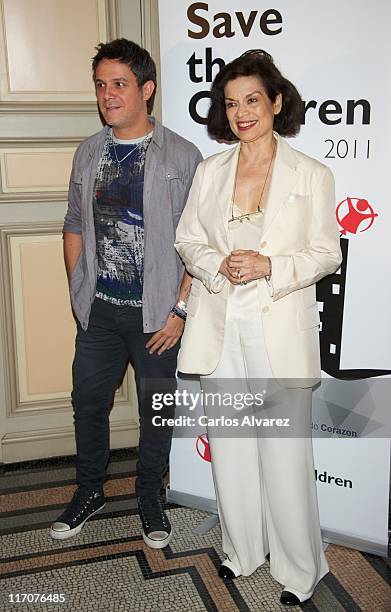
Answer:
(289, 599)
(226, 573)
(84, 504)
(157, 530)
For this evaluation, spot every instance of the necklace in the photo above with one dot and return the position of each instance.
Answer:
(119, 161)
(259, 210)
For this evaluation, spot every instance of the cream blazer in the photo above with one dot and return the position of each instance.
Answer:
(300, 235)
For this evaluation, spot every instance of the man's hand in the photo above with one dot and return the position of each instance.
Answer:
(168, 336)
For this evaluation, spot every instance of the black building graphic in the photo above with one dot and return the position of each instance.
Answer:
(330, 294)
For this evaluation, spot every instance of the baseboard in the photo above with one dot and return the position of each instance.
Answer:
(43, 444)
(332, 537)
(351, 541)
(192, 501)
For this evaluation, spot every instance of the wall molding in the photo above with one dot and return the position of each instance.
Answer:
(151, 41)
(112, 19)
(66, 102)
(16, 161)
(8, 319)
(44, 108)
(40, 141)
(16, 406)
(41, 196)
(36, 120)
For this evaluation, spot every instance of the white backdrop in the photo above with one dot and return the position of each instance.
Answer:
(334, 53)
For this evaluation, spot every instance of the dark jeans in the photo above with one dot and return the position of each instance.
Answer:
(114, 337)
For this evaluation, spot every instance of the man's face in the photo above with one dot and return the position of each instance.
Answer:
(121, 101)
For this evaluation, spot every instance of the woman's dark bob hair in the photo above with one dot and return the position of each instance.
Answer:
(260, 64)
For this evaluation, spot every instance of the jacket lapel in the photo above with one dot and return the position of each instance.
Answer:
(224, 181)
(283, 181)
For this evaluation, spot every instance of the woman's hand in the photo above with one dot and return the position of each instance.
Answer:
(227, 272)
(245, 266)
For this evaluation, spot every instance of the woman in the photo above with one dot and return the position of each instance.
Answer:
(257, 233)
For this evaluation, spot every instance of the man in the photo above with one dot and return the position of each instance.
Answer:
(128, 187)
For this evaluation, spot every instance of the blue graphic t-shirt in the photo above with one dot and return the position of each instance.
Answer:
(119, 220)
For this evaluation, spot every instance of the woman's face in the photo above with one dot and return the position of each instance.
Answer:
(250, 112)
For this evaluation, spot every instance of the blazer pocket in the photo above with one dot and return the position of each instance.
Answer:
(77, 178)
(169, 173)
(295, 198)
(309, 317)
(175, 185)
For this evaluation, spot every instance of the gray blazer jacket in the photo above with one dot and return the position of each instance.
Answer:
(170, 164)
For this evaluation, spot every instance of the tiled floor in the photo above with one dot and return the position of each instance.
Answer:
(108, 567)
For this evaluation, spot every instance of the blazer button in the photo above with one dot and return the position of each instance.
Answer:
(263, 244)
(265, 308)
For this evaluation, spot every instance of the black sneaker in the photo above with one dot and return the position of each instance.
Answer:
(157, 530)
(84, 504)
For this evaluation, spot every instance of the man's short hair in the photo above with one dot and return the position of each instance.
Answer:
(138, 59)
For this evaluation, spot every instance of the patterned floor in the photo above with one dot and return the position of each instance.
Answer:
(108, 568)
